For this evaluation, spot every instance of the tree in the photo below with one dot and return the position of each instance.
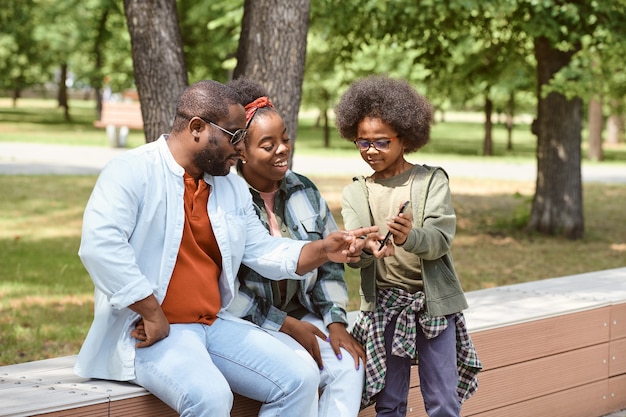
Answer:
(560, 30)
(210, 35)
(103, 54)
(24, 58)
(272, 51)
(158, 61)
(557, 204)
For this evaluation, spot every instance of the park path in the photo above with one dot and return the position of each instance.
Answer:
(35, 158)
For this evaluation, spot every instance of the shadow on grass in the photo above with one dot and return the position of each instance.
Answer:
(40, 327)
(46, 299)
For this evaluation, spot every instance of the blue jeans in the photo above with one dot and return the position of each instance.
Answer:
(437, 371)
(194, 369)
(341, 384)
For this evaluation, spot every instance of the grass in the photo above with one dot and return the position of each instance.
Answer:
(46, 295)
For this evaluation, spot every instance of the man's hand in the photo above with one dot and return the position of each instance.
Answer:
(340, 338)
(153, 325)
(306, 334)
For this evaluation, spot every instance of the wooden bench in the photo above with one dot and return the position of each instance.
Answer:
(117, 117)
(554, 348)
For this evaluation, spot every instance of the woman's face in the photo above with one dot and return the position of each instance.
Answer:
(267, 151)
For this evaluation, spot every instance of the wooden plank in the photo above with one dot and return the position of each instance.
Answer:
(143, 406)
(618, 321)
(617, 393)
(120, 114)
(245, 407)
(584, 401)
(525, 381)
(98, 410)
(531, 340)
(617, 356)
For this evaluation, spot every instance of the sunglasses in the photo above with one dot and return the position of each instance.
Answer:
(235, 137)
(378, 144)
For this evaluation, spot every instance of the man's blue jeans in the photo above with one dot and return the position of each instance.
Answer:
(437, 371)
(195, 368)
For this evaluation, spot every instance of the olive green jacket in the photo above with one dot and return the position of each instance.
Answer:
(434, 226)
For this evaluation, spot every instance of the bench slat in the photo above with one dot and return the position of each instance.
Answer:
(524, 381)
(508, 345)
(119, 114)
(583, 401)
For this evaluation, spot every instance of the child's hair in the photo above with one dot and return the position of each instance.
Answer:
(393, 101)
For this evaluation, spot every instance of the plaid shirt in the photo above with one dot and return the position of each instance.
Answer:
(370, 327)
(302, 214)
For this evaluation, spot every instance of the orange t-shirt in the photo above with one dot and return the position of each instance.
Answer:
(193, 294)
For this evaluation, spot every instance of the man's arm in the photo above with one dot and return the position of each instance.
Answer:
(153, 325)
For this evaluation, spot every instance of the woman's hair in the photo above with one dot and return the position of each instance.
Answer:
(250, 91)
(207, 99)
(393, 101)
(247, 89)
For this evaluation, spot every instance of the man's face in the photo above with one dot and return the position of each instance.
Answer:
(218, 155)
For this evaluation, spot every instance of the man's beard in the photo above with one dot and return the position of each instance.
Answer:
(212, 160)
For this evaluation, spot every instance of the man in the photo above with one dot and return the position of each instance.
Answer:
(164, 233)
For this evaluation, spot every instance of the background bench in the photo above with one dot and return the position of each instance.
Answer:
(117, 117)
(555, 347)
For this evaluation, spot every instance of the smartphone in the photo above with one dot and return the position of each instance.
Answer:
(388, 235)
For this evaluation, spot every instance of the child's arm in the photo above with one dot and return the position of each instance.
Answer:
(434, 238)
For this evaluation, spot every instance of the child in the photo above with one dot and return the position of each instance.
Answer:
(308, 315)
(411, 299)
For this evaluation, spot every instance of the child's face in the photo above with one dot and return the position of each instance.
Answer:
(386, 162)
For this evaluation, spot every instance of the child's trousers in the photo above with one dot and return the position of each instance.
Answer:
(437, 371)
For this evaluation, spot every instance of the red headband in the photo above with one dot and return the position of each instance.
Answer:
(257, 104)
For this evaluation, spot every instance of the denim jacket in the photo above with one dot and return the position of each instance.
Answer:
(132, 229)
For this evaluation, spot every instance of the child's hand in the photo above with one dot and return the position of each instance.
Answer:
(372, 246)
(400, 226)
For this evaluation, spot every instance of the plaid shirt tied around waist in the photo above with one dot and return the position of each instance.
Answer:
(369, 331)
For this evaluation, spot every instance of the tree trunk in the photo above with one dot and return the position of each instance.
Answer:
(614, 125)
(97, 78)
(326, 129)
(510, 117)
(62, 92)
(158, 61)
(557, 205)
(16, 94)
(488, 144)
(272, 51)
(594, 152)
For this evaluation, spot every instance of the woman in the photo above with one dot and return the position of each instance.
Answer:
(308, 315)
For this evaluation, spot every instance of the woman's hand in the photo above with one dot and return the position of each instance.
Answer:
(340, 338)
